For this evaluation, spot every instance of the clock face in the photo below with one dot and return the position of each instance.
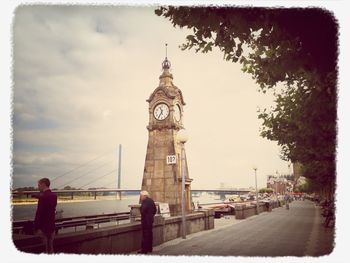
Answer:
(177, 112)
(161, 111)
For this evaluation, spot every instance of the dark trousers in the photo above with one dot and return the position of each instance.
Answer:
(147, 239)
(47, 239)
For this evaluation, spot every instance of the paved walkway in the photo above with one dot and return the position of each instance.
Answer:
(294, 232)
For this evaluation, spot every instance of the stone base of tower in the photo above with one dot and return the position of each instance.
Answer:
(175, 210)
(175, 205)
(162, 180)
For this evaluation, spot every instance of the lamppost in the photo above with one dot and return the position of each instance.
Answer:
(256, 190)
(182, 138)
(291, 178)
(277, 182)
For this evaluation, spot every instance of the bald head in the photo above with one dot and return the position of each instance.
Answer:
(143, 195)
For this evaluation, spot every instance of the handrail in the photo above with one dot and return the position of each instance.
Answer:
(76, 217)
(77, 191)
(76, 221)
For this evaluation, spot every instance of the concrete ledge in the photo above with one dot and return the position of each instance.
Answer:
(244, 211)
(121, 239)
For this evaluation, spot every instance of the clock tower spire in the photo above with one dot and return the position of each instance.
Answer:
(162, 176)
(166, 79)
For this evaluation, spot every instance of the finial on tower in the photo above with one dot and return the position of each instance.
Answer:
(166, 63)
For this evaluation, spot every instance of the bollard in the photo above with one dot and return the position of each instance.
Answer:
(239, 211)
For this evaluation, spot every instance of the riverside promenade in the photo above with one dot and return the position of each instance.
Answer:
(294, 232)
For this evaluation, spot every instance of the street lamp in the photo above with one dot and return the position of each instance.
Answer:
(182, 137)
(256, 190)
(277, 181)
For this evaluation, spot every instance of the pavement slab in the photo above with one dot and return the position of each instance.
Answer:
(294, 232)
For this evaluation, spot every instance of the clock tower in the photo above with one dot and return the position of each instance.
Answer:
(162, 173)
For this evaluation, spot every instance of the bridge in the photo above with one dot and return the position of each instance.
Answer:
(119, 191)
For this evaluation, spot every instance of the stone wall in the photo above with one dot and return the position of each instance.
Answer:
(121, 239)
(244, 211)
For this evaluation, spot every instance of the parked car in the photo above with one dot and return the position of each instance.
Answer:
(252, 198)
(244, 197)
(235, 198)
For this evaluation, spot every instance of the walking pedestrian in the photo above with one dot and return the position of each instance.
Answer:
(44, 223)
(148, 210)
(286, 199)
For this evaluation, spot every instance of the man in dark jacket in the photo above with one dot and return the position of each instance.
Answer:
(44, 222)
(148, 210)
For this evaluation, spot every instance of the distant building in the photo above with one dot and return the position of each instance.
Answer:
(280, 183)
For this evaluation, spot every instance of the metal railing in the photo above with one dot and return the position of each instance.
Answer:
(76, 192)
(26, 226)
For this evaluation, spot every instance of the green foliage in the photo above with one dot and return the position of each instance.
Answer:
(68, 188)
(294, 47)
(265, 190)
(304, 188)
(26, 188)
(284, 44)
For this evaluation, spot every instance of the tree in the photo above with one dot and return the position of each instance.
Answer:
(26, 188)
(284, 44)
(266, 190)
(68, 188)
(304, 124)
(296, 48)
(305, 187)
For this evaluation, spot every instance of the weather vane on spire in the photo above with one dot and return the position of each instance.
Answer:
(166, 63)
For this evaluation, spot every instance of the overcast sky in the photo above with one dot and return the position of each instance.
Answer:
(81, 79)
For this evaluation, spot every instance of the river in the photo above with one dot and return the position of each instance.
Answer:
(92, 207)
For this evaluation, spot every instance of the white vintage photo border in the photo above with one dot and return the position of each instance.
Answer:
(8, 251)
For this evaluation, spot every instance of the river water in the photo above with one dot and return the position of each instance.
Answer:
(93, 207)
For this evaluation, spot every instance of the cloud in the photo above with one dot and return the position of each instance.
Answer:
(82, 75)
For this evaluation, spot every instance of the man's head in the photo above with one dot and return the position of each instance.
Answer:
(43, 184)
(143, 195)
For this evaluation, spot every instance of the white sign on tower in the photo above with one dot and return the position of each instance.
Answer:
(171, 159)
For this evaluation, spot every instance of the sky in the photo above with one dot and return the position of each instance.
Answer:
(81, 79)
